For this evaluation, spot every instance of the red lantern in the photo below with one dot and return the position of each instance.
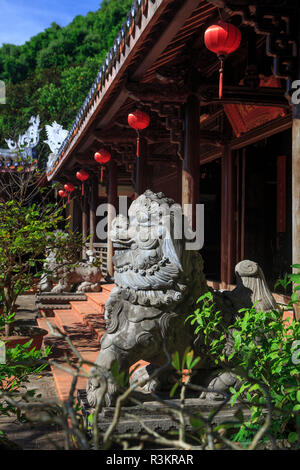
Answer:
(63, 194)
(222, 39)
(82, 175)
(138, 120)
(69, 187)
(102, 157)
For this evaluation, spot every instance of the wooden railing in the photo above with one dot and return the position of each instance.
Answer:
(100, 251)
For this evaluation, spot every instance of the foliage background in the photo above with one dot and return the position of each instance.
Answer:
(52, 73)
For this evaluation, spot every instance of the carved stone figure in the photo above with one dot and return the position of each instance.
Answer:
(56, 135)
(157, 284)
(85, 275)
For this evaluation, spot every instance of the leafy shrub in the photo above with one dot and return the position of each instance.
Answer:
(263, 354)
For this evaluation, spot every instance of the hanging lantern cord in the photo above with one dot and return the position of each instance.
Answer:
(82, 189)
(138, 143)
(221, 72)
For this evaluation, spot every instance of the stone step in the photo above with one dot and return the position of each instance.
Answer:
(81, 335)
(98, 299)
(90, 314)
(60, 349)
(108, 287)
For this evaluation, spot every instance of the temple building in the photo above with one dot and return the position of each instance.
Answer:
(235, 150)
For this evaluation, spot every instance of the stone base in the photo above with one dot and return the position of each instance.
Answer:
(153, 413)
(53, 301)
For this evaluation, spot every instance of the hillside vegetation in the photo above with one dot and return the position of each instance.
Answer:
(51, 74)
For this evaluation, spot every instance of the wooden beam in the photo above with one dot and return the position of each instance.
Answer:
(117, 137)
(114, 107)
(168, 34)
(152, 93)
(266, 96)
(262, 132)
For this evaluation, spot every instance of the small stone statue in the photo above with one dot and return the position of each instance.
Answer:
(84, 274)
(157, 284)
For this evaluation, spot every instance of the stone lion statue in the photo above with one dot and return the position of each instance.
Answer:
(158, 281)
(85, 275)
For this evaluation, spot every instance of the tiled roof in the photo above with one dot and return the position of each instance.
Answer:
(103, 80)
(12, 161)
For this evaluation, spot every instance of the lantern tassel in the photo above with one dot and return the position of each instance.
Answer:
(138, 144)
(82, 189)
(221, 72)
(69, 198)
(101, 177)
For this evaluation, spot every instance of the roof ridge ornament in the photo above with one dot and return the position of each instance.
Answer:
(28, 140)
(56, 136)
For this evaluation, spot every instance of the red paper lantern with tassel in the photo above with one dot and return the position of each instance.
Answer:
(102, 156)
(69, 187)
(222, 39)
(138, 120)
(62, 193)
(82, 175)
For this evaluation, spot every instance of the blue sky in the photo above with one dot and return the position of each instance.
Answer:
(22, 19)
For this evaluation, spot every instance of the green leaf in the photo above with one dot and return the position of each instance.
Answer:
(196, 422)
(293, 437)
(173, 390)
(176, 361)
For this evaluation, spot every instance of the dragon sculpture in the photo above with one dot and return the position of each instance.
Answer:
(55, 137)
(27, 141)
(157, 284)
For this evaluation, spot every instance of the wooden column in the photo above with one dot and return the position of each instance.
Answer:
(227, 219)
(296, 181)
(85, 223)
(93, 208)
(76, 214)
(141, 173)
(191, 162)
(112, 201)
(296, 193)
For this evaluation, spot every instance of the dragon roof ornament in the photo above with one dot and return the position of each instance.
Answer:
(28, 140)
